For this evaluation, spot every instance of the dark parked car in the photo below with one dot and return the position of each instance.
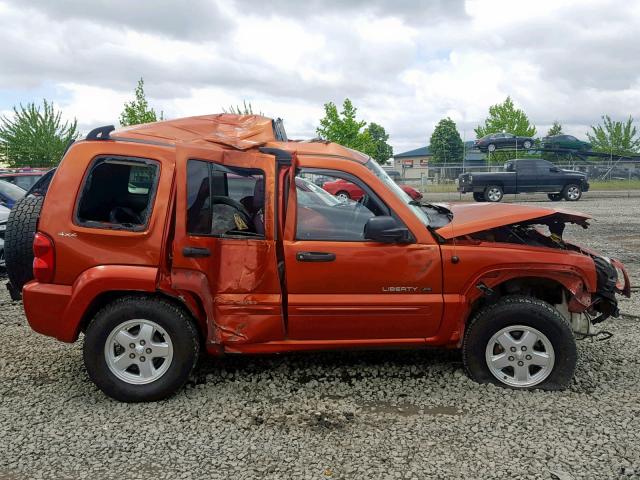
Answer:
(10, 193)
(565, 141)
(4, 215)
(525, 176)
(494, 141)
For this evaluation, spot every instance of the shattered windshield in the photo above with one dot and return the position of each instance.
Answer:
(430, 215)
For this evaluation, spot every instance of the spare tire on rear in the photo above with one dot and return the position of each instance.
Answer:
(22, 225)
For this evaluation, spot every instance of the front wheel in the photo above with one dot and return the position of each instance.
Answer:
(522, 343)
(491, 147)
(554, 197)
(527, 144)
(493, 193)
(139, 349)
(572, 193)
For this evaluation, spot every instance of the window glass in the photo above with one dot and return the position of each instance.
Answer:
(25, 181)
(109, 198)
(336, 211)
(224, 201)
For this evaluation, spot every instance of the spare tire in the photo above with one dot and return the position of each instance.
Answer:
(18, 241)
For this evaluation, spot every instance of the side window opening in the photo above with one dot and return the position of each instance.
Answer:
(335, 210)
(118, 193)
(224, 201)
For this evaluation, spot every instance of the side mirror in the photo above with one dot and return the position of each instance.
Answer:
(386, 230)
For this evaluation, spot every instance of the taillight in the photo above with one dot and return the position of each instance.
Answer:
(44, 260)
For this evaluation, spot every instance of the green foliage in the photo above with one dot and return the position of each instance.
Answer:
(619, 138)
(138, 111)
(505, 117)
(556, 129)
(245, 109)
(35, 136)
(344, 128)
(378, 148)
(446, 144)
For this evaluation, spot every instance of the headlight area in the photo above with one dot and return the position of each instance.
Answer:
(605, 304)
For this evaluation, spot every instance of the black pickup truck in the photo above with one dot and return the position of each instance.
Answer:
(524, 176)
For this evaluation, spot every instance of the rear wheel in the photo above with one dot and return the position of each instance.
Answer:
(491, 147)
(478, 196)
(527, 144)
(520, 342)
(139, 349)
(554, 197)
(572, 193)
(493, 193)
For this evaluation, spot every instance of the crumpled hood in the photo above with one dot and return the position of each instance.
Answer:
(475, 217)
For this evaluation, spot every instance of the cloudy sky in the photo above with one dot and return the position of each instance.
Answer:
(405, 64)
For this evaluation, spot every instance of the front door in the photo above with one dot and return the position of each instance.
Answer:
(343, 287)
(224, 247)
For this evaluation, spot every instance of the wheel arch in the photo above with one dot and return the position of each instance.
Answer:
(106, 297)
(547, 286)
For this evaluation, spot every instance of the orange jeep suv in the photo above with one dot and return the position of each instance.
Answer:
(210, 233)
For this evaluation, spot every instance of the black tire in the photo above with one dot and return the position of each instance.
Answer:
(342, 192)
(554, 197)
(569, 195)
(22, 225)
(177, 324)
(526, 311)
(489, 196)
(478, 196)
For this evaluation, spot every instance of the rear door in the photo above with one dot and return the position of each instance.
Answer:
(343, 287)
(224, 248)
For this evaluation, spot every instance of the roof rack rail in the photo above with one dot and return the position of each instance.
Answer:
(101, 133)
(278, 130)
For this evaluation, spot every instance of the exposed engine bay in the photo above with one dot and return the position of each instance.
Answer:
(547, 232)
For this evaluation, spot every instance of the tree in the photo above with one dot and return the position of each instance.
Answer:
(505, 117)
(35, 136)
(446, 144)
(246, 109)
(618, 138)
(378, 149)
(138, 111)
(344, 128)
(556, 129)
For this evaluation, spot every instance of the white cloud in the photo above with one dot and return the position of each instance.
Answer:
(405, 64)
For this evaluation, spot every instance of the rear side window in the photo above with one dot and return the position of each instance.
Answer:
(224, 201)
(118, 193)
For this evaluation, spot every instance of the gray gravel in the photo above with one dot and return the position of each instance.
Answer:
(334, 415)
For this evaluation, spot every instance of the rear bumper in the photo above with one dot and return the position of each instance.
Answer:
(45, 305)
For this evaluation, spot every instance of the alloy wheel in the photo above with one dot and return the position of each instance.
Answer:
(138, 351)
(520, 356)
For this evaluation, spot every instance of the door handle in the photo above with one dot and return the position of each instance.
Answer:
(195, 252)
(315, 257)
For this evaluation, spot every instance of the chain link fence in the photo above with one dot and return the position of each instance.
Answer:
(614, 175)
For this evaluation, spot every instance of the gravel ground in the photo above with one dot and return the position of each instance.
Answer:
(335, 415)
